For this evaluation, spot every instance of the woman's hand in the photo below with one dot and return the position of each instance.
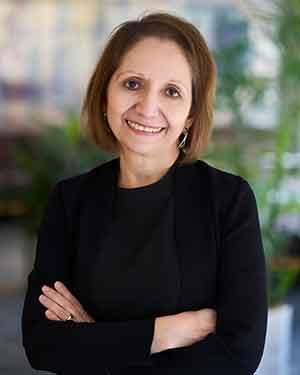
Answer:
(183, 329)
(205, 322)
(60, 303)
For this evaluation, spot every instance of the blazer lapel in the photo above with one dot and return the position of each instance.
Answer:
(96, 213)
(194, 235)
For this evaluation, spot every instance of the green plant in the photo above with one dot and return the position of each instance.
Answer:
(244, 149)
(280, 281)
(238, 88)
(58, 152)
(281, 23)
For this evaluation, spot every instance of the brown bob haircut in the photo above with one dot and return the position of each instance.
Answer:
(204, 72)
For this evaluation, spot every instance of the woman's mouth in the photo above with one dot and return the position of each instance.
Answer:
(143, 130)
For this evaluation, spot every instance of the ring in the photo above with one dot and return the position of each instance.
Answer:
(70, 317)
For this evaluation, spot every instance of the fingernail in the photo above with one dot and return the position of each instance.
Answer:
(57, 284)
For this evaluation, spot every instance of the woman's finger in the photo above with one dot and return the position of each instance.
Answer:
(58, 310)
(64, 303)
(64, 291)
(60, 300)
(51, 315)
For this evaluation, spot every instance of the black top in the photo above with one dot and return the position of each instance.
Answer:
(137, 260)
(136, 269)
(216, 237)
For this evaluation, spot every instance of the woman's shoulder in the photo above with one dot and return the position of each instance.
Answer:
(95, 178)
(222, 184)
(225, 186)
(219, 177)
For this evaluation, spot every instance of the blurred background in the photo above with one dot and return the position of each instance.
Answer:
(48, 51)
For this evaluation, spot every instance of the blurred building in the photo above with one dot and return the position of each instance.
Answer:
(49, 48)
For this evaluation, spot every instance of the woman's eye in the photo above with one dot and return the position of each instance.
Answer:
(131, 84)
(173, 92)
(134, 85)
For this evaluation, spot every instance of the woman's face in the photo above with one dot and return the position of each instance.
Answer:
(152, 87)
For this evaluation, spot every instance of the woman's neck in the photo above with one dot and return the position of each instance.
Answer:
(136, 171)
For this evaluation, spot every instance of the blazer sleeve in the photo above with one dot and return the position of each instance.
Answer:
(67, 346)
(237, 345)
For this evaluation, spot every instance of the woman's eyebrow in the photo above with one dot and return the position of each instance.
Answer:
(141, 74)
(129, 71)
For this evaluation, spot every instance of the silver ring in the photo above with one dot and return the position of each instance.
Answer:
(70, 317)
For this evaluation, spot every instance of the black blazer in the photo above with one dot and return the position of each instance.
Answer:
(222, 266)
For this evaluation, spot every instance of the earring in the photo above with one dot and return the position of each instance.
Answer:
(182, 143)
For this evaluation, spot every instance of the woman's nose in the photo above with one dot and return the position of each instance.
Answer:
(148, 104)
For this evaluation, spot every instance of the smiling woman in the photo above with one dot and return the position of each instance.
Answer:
(160, 64)
(146, 111)
(151, 263)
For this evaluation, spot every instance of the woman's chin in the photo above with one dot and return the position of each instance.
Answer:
(145, 150)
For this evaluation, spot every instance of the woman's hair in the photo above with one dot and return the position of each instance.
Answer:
(204, 72)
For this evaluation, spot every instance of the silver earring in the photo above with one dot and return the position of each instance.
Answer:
(182, 143)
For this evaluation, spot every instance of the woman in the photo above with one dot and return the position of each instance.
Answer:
(151, 263)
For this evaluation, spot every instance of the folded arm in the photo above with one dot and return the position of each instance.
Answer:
(237, 345)
(71, 347)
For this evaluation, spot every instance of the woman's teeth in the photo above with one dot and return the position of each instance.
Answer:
(134, 125)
